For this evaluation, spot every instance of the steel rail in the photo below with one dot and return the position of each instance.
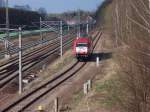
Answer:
(32, 52)
(35, 95)
(30, 63)
(15, 49)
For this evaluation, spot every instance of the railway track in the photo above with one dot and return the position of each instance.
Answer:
(15, 49)
(15, 59)
(9, 71)
(46, 43)
(25, 101)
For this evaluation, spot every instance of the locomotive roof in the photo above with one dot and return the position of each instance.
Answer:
(87, 40)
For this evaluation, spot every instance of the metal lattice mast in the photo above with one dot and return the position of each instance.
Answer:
(7, 27)
(79, 19)
(61, 35)
(149, 4)
(41, 28)
(20, 61)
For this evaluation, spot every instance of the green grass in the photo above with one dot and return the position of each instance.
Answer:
(109, 92)
(28, 33)
(77, 97)
(100, 87)
(15, 34)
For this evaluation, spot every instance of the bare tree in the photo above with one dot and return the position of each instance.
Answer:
(132, 30)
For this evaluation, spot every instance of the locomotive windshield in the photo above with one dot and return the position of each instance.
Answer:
(82, 45)
(84, 35)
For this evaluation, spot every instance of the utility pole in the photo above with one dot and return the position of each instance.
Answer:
(149, 9)
(68, 28)
(7, 31)
(87, 27)
(79, 19)
(149, 4)
(40, 27)
(20, 61)
(61, 44)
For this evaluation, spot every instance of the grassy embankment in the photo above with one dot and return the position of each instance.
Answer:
(105, 93)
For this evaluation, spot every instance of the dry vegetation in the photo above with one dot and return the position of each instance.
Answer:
(131, 22)
(50, 70)
(131, 31)
(103, 97)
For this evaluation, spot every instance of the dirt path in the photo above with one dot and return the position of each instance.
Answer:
(99, 98)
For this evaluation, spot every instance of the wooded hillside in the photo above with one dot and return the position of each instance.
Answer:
(19, 17)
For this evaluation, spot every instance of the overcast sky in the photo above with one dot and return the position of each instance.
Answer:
(58, 6)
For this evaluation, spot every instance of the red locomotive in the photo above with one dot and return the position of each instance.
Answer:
(82, 47)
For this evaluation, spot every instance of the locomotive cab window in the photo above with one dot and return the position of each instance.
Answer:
(84, 35)
(82, 45)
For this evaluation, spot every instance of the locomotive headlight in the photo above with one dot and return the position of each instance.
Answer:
(86, 49)
(81, 49)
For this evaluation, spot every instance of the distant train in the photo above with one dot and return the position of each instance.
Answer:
(83, 47)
